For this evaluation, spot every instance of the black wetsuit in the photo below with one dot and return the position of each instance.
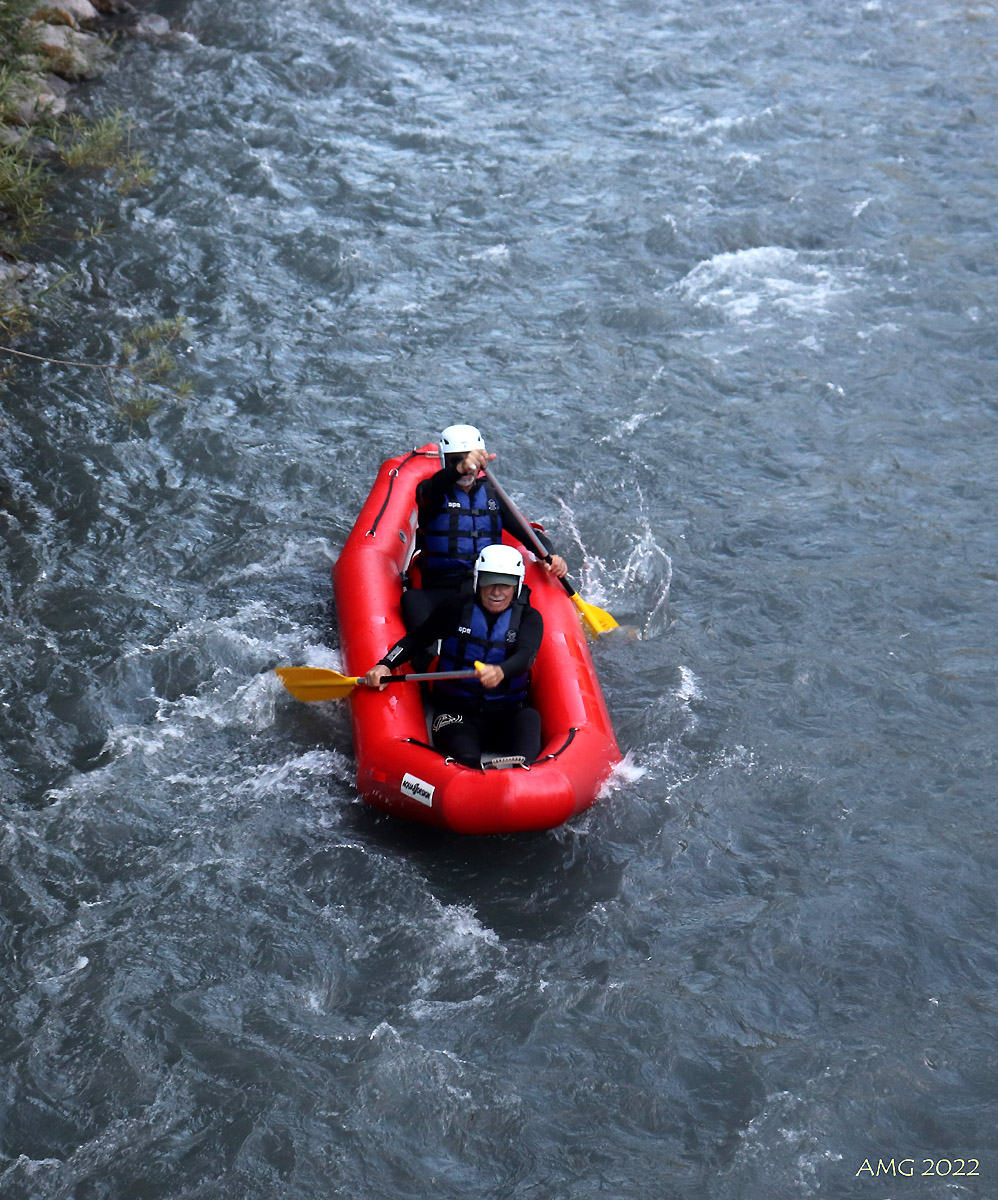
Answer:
(464, 727)
(431, 495)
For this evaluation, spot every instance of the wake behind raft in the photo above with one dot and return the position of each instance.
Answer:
(398, 769)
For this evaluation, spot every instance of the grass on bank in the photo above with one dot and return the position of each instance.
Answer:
(72, 142)
(103, 145)
(17, 34)
(148, 369)
(23, 187)
(147, 374)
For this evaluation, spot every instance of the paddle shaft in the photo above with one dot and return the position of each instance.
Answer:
(536, 544)
(427, 675)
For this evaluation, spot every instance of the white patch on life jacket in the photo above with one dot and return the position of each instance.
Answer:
(418, 789)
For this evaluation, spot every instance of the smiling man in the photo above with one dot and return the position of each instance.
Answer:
(495, 625)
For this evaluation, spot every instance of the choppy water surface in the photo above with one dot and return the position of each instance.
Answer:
(718, 281)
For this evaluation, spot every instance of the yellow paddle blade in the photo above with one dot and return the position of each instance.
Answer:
(596, 620)
(317, 683)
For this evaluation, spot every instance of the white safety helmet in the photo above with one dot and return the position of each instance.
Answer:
(499, 564)
(459, 439)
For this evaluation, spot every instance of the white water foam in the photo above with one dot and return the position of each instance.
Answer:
(272, 778)
(771, 282)
(627, 771)
(689, 687)
(714, 131)
(594, 569)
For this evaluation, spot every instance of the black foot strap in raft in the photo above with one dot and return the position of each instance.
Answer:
(509, 760)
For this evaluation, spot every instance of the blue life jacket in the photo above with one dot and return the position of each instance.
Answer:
(459, 532)
(473, 642)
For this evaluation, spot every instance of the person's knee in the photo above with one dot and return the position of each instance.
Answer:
(530, 720)
(414, 607)
(455, 736)
(527, 733)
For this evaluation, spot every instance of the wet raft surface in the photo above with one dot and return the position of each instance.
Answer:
(398, 770)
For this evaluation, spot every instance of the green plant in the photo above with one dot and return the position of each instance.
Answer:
(15, 319)
(9, 92)
(17, 33)
(23, 188)
(92, 233)
(102, 145)
(150, 343)
(151, 373)
(148, 356)
(138, 406)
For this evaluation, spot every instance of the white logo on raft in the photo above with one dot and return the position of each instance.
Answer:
(446, 719)
(418, 789)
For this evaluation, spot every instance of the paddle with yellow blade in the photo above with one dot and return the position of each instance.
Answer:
(596, 620)
(319, 683)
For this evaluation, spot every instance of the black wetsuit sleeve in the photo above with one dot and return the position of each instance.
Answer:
(438, 624)
(528, 642)
(516, 528)
(430, 493)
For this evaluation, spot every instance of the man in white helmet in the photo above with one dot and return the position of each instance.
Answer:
(494, 625)
(458, 515)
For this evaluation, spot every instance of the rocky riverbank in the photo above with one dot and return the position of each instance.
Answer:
(71, 41)
(46, 47)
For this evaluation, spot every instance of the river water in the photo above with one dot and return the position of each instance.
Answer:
(718, 281)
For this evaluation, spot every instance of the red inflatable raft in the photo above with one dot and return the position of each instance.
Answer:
(398, 770)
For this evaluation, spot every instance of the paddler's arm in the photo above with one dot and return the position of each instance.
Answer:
(528, 642)
(430, 492)
(438, 624)
(557, 566)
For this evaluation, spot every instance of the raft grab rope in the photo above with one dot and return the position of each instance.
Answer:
(393, 474)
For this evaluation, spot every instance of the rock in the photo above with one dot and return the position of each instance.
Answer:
(149, 26)
(48, 104)
(33, 100)
(70, 53)
(57, 86)
(76, 13)
(114, 6)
